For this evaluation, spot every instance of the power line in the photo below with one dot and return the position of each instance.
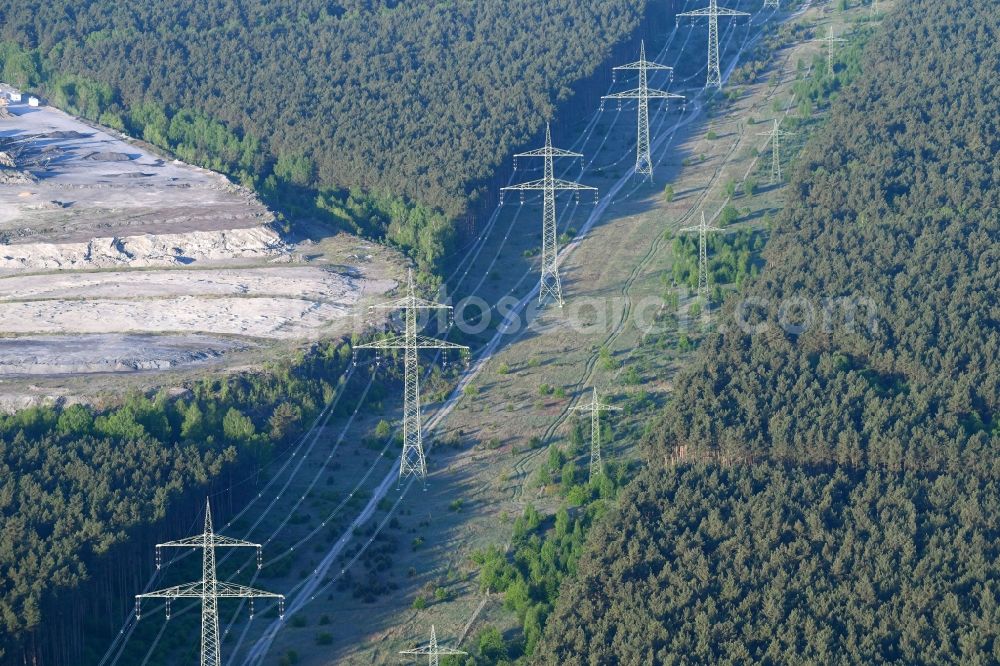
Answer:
(830, 41)
(643, 161)
(412, 461)
(775, 139)
(432, 650)
(209, 589)
(713, 12)
(549, 185)
(595, 407)
(702, 230)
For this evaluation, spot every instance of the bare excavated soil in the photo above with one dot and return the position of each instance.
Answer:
(114, 259)
(94, 183)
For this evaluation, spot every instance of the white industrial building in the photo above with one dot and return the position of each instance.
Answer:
(33, 101)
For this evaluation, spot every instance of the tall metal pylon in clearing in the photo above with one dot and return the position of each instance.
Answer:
(432, 650)
(550, 283)
(413, 461)
(713, 12)
(595, 407)
(830, 41)
(775, 138)
(702, 230)
(643, 161)
(209, 589)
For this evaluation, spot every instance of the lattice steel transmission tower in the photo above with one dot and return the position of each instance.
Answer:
(643, 161)
(774, 136)
(702, 230)
(550, 283)
(595, 407)
(209, 589)
(713, 12)
(432, 650)
(830, 41)
(412, 461)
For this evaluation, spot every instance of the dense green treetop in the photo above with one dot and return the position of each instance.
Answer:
(836, 500)
(700, 564)
(887, 253)
(418, 99)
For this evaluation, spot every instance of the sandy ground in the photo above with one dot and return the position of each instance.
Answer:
(114, 260)
(93, 183)
(269, 317)
(306, 282)
(109, 353)
(114, 321)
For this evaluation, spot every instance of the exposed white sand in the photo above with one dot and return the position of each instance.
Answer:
(308, 282)
(276, 303)
(92, 183)
(66, 354)
(266, 317)
(144, 251)
(197, 271)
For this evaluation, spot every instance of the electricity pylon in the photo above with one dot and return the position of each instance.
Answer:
(595, 407)
(775, 138)
(549, 185)
(830, 41)
(713, 12)
(643, 161)
(702, 230)
(412, 461)
(209, 589)
(432, 650)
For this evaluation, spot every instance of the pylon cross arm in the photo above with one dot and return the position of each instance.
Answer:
(426, 342)
(643, 64)
(427, 649)
(185, 591)
(548, 152)
(530, 185)
(399, 341)
(662, 94)
(694, 13)
(189, 542)
(228, 542)
(559, 184)
(637, 93)
(230, 590)
(591, 407)
(719, 11)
